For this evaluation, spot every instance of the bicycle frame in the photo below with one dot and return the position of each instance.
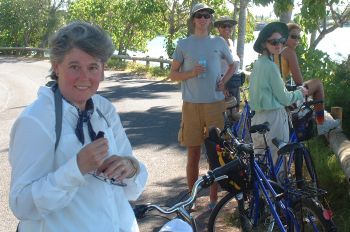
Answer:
(261, 183)
(241, 128)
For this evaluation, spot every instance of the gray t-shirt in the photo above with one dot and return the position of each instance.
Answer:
(188, 52)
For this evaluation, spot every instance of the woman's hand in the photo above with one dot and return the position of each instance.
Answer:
(92, 155)
(117, 167)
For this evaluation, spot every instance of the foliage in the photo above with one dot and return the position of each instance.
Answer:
(130, 23)
(158, 72)
(315, 63)
(335, 78)
(116, 64)
(137, 68)
(337, 91)
(26, 23)
(332, 179)
(150, 72)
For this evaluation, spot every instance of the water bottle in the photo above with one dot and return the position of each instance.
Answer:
(202, 62)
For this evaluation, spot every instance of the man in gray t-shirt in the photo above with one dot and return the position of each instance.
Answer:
(197, 64)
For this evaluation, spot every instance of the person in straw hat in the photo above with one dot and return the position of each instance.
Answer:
(197, 65)
(267, 92)
(224, 25)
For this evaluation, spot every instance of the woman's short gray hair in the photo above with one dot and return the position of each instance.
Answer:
(82, 35)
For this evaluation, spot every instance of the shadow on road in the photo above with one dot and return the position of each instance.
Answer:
(158, 125)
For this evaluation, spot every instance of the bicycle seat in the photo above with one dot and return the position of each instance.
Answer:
(260, 128)
(285, 148)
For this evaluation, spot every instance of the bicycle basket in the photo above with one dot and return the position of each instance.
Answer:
(218, 156)
(304, 124)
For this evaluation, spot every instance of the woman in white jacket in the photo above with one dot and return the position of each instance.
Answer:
(85, 183)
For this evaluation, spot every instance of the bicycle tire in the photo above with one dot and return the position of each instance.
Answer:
(231, 217)
(225, 217)
(309, 214)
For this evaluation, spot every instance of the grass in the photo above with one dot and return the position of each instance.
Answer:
(332, 178)
(138, 69)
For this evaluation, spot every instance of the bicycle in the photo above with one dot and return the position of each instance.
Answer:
(283, 200)
(182, 208)
(248, 210)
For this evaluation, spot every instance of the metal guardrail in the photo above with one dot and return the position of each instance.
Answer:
(40, 52)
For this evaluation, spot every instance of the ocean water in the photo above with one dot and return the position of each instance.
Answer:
(336, 44)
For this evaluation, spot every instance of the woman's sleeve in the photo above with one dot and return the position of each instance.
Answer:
(136, 184)
(37, 188)
(283, 96)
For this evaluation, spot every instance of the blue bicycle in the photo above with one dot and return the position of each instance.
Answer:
(289, 207)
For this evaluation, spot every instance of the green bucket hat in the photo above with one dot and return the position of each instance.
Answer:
(224, 20)
(267, 31)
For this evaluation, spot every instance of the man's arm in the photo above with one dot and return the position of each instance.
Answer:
(227, 76)
(176, 75)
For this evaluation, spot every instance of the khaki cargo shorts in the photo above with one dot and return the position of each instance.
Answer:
(197, 119)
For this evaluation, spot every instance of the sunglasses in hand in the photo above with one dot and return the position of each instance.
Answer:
(107, 180)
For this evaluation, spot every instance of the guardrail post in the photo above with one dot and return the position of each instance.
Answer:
(133, 59)
(161, 64)
(337, 113)
(147, 61)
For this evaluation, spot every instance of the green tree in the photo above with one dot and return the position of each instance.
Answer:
(131, 23)
(317, 17)
(26, 23)
(323, 17)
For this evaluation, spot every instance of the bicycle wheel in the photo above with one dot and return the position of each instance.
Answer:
(226, 216)
(309, 214)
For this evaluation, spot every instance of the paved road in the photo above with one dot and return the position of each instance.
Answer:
(149, 110)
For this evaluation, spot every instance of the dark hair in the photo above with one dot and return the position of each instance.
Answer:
(82, 35)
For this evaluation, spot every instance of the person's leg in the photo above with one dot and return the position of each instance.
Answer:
(191, 135)
(316, 90)
(214, 118)
(192, 168)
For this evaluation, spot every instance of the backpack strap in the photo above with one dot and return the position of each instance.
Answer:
(280, 63)
(102, 116)
(58, 114)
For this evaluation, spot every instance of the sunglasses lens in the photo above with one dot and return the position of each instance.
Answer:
(226, 25)
(295, 37)
(275, 42)
(199, 15)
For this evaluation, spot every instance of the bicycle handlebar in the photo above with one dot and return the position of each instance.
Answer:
(202, 182)
(313, 102)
